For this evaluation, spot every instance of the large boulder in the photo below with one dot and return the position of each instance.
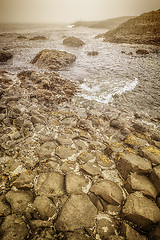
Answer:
(53, 59)
(5, 56)
(73, 42)
(78, 212)
(141, 211)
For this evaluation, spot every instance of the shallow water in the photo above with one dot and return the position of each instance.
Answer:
(101, 77)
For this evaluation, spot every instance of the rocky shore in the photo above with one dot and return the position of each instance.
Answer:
(143, 29)
(73, 170)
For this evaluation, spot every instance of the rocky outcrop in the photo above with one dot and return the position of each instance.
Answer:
(53, 59)
(73, 42)
(5, 56)
(143, 29)
(37, 38)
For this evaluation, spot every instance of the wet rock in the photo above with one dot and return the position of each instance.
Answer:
(53, 59)
(14, 227)
(93, 53)
(105, 226)
(108, 191)
(21, 37)
(4, 209)
(136, 142)
(64, 152)
(152, 154)
(128, 163)
(46, 150)
(141, 211)
(40, 224)
(24, 181)
(19, 200)
(38, 38)
(49, 184)
(142, 51)
(85, 157)
(130, 234)
(157, 144)
(73, 215)
(91, 168)
(5, 56)
(136, 182)
(44, 206)
(76, 184)
(155, 177)
(73, 42)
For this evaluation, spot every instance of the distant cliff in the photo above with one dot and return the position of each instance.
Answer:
(108, 24)
(144, 29)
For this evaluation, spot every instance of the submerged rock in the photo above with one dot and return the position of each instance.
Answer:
(142, 51)
(5, 56)
(73, 42)
(93, 53)
(53, 59)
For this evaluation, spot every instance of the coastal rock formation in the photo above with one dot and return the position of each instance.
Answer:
(53, 59)
(63, 165)
(144, 29)
(73, 42)
(5, 56)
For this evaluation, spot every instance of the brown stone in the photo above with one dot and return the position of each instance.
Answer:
(91, 168)
(49, 184)
(130, 234)
(64, 152)
(151, 153)
(155, 177)
(73, 42)
(136, 182)
(109, 191)
(141, 211)
(105, 226)
(76, 184)
(78, 212)
(128, 163)
(44, 206)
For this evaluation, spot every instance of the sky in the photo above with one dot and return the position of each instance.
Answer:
(50, 11)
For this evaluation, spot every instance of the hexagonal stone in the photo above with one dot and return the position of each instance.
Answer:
(76, 183)
(64, 152)
(136, 142)
(108, 191)
(151, 153)
(136, 182)
(19, 200)
(49, 184)
(77, 212)
(14, 227)
(44, 206)
(141, 211)
(128, 163)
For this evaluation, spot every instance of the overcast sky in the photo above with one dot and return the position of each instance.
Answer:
(71, 10)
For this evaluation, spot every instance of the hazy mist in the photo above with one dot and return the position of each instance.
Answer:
(45, 11)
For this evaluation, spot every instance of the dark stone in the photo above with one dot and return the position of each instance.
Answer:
(5, 56)
(142, 51)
